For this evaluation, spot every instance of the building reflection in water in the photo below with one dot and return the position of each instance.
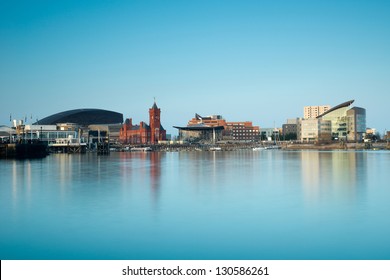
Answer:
(335, 173)
(205, 169)
(155, 171)
(146, 166)
(22, 181)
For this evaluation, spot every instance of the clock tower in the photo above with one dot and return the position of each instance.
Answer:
(155, 124)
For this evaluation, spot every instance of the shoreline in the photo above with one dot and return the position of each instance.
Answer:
(338, 146)
(288, 146)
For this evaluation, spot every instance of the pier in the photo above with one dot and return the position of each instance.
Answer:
(23, 150)
(68, 145)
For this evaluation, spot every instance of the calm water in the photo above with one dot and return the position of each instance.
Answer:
(197, 205)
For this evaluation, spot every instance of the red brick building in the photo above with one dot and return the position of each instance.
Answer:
(143, 133)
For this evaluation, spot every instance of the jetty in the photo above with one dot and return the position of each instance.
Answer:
(68, 145)
(23, 150)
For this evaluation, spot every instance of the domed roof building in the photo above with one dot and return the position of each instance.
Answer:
(84, 117)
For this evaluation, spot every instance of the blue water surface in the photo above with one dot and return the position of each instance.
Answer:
(197, 205)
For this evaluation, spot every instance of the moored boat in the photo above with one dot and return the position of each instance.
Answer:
(141, 149)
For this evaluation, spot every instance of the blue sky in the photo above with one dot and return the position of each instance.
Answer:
(246, 60)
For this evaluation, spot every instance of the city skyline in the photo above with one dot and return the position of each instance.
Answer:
(257, 61)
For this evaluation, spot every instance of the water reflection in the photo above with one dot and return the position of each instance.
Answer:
(155, 172)
(213, 169)
(321, 173)
(197, 205)
(21, 179)
(333, 173)
(142, 168)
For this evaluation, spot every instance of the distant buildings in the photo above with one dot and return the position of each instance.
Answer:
(320, 124)
(312, 112)
(216, 128)
(83, 117)
(87, 126)
(314, 130)
(337, 123)
(290, 129)
(90, 124)
(241, 131)
(143, 133)
(356, 124)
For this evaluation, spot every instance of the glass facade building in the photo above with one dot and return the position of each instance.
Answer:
(346, 124)
(356, 124)
(339, 123)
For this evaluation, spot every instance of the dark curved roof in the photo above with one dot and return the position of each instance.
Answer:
(83, 117)
(342, 105)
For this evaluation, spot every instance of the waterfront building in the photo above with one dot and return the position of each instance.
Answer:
(213, 120)
(356, 124)
(202, 129)
(50, 136)
(83, 117)
(336, 123)
(339, 119)
(199, 133)
(270, 134)
(312, 112)
(241, 131)
(215, 127)
(347, 124)
(7, 134)
(314, 130)
(290, 131)
(144, 133)
(83, 121)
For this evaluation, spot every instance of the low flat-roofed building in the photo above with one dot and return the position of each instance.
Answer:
(314, 130)
(270, 134)
(290, 130)
(241, 131)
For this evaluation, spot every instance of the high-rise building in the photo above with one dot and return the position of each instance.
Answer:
(312, 112)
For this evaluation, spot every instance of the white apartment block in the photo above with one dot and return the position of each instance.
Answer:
(311, 112)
